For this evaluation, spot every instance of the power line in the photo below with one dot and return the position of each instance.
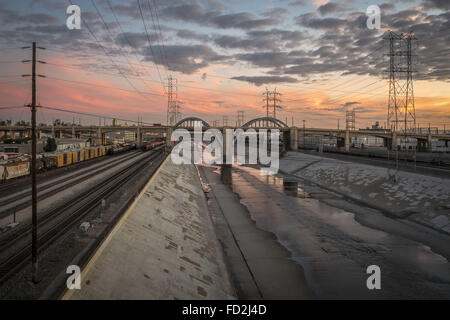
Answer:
(160, 47)
(149, 41)
(127, 39)
(107, 87)
(121, 89)
(91, 114)
(14, 107)
(160, 32)
(106, 52)
(112, 38)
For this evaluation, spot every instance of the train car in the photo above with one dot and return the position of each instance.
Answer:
(14, 169)
(67, 156)
(80, 155)
(86, 154)
(75, 157)
(59, 159)
(152, 145)
(49, 163)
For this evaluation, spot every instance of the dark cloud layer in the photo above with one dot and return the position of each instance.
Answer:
(260, 80)
(331, 38)
(185, 59)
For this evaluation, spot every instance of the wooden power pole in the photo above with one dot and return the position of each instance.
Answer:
(33, 169)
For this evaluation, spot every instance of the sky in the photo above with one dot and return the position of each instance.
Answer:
(320, 55)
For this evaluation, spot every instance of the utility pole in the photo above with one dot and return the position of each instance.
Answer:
(34, 243)
(34, 237)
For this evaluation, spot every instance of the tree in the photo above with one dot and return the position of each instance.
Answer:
(50, 146)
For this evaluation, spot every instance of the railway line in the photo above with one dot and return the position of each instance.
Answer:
(15, 249)
(22, 199)
(45, 175)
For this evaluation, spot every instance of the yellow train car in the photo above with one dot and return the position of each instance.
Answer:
(87, 154)
(80, 155)
(56, 157)
(75, 156)
(61, 159)
(67, 158)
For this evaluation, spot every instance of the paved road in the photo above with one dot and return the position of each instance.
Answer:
(335, 250)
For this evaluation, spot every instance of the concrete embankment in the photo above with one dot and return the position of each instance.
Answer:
(164, 247)
(411, 196)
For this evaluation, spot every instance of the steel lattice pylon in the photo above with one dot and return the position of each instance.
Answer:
(401, 110)
(173, 108)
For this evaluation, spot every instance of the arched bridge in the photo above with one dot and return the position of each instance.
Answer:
(191, 122)
(265, 122)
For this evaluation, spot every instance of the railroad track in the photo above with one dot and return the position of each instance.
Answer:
(42, 196)
(16, 182)
(57, 222)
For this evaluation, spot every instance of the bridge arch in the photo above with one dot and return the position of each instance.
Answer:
(190, 122)
(265, 121)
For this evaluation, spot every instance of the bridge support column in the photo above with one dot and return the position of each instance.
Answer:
(293, 138)
(429, 143)
(169, 142)
(226, 169)
(347, 140)
(139, 137)
(73, 133)
(394, 141)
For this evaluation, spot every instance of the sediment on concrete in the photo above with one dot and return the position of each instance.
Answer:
(419, 198)
(260, 266)
(164, 247)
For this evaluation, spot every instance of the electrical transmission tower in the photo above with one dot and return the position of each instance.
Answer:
(350, 120)
(266, 99)
(173, 108)
(225, 121)
(275, 101)
(271, 98)
(401, 110)
(240, 118)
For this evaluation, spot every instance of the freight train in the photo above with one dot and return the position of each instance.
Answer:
(122, 148)
(18, 167)
(152, 145)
